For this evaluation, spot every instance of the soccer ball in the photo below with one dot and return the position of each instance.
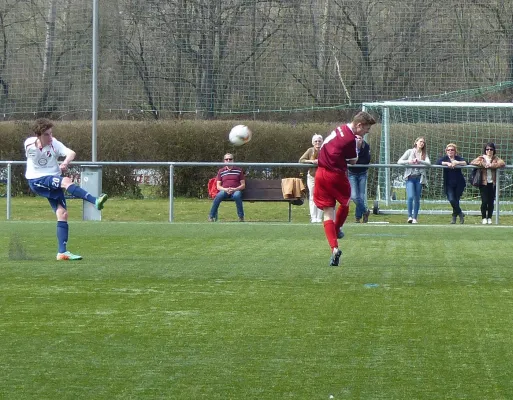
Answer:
(239, 135)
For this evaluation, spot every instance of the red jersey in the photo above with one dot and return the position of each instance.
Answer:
(337, 148)
(230, 177)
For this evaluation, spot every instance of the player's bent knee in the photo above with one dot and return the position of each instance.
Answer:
(62, 214)
(66, 182)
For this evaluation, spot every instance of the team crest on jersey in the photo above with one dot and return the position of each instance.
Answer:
(42, 162)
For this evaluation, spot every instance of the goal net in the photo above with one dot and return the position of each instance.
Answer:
(469, 125)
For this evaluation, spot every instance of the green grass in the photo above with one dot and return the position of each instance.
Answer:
(252, 311)
(196, 210)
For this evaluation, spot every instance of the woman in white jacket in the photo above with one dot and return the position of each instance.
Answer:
(310, 157)
(415, 177)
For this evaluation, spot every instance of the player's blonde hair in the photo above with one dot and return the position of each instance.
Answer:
(41, 125)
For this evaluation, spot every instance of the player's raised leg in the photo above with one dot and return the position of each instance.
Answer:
(77, 191)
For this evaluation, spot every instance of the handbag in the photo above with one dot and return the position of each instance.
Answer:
(475, 177)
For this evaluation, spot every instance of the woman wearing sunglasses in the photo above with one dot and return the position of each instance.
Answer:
(488, 162)
(454, 181)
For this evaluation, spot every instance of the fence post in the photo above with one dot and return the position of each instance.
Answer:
(497, 201)
(91, 181)
(8, 192)
(171, 184)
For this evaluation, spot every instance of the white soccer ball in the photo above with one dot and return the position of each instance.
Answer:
(239, 135)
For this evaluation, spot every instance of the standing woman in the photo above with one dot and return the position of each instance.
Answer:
(489, 163)
(310, 157)
(415, 177)
(454, 182)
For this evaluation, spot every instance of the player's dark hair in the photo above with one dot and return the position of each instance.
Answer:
(41, 125)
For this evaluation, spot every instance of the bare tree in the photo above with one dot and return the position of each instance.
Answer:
(8, 19)
(500, 16)
(202, 34)
(48, 58)
(4, 93)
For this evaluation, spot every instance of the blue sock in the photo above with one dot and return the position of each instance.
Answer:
(77, 191)
(62, 235)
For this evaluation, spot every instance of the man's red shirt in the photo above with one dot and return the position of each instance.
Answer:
(230, 177)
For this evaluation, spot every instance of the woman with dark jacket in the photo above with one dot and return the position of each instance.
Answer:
(454, 181)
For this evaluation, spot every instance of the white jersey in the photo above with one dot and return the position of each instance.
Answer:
(43, 161)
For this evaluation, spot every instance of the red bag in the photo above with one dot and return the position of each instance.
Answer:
(212, 187)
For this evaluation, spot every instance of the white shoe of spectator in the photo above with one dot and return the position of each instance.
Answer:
(489, 220)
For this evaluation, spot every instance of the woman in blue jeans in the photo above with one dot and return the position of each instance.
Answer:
(415, 177)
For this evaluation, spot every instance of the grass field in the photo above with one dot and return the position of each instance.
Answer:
(252, 311)
(196, 210)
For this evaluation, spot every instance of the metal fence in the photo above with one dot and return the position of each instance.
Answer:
(392, 203)
(144, 165)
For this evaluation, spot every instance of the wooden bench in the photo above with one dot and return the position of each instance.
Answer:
(267, 190)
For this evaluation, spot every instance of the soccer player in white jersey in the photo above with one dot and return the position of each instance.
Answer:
(44, 177)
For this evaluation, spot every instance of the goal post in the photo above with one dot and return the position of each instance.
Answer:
(470, 125)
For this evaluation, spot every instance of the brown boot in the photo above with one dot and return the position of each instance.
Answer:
(366, 216)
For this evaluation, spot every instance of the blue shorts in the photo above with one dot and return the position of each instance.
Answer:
(50, 187)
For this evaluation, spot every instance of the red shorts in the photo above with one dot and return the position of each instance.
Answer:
(331, 187)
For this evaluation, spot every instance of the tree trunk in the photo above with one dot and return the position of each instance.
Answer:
(4, 86)
(43, 109)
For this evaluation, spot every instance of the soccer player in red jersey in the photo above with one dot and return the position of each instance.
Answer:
(331, 182)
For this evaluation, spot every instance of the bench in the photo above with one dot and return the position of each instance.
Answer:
(267, 190)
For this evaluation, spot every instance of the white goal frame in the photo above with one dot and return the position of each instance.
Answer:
(385, 159)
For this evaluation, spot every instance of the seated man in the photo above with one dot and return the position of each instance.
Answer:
(230, 183)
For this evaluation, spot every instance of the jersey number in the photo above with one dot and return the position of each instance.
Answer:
(56, 182)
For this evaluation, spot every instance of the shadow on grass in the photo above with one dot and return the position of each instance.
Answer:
(17, 250)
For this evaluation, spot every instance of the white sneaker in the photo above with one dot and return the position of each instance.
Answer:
(484, 221)
(410, 220)
(414, 221)
(489, 220)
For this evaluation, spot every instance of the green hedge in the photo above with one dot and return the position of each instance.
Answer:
(164, 141)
